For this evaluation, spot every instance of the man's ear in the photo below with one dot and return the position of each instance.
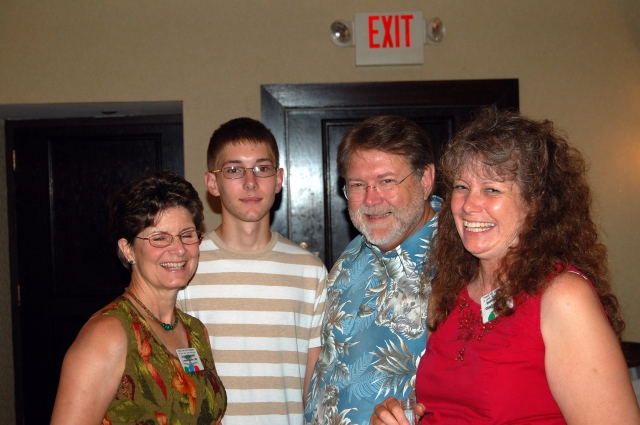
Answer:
(279, 179)
(126, 249)
(211, 183)
(428, 180)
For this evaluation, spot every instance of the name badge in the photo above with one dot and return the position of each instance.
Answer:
(486, 305)
(189, 359)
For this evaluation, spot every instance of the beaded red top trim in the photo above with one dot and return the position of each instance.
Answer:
(471, 326)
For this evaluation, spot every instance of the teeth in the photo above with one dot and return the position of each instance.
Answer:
(173, 265)
(477, 227)
(378, 216)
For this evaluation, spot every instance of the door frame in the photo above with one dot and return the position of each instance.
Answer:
(10, 127)
(278, 99)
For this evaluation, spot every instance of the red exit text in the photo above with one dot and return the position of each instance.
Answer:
(393, 27)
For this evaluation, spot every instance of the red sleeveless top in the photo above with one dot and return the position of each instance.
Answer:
(493, 373)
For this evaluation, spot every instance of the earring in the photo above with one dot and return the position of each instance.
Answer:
(131, 262)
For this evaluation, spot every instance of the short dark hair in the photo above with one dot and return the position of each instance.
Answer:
(138, 204)
(387, 133)
(238, 131)
(558, 232)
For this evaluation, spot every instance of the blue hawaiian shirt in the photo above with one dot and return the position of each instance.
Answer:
(374, 330)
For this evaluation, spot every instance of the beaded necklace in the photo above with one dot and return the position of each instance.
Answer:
(165, 326)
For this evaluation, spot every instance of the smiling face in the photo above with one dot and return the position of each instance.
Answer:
(488, 213)
(164, 268)
(387, 219)
(249, 198)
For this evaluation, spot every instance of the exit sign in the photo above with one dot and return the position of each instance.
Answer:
(389, 38)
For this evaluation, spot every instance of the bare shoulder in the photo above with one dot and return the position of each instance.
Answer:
(569, 293)
(584, 365)
(572, 319)
(102, 337)
(91, 372)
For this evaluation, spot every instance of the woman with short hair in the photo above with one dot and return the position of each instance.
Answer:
(140, 359)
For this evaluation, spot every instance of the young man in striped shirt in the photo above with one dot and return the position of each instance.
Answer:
(260, 295)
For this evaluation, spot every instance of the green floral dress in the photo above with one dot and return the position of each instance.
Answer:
(155, 389)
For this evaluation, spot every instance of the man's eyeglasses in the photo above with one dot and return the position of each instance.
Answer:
(239, 172)
(163, 240)
(356, 191)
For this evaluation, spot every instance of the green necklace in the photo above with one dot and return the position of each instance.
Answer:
(166, 326)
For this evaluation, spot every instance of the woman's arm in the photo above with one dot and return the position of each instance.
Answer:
(91, 373)
(585, 368)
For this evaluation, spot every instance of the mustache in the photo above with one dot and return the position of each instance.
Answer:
(375, 210)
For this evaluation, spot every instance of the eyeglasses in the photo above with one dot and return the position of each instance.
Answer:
(358, 191)
(239, 172)
(163, 240)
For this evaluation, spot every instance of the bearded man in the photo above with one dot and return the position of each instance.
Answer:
(374, 328)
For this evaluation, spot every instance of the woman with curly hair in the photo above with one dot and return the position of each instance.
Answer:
(524, 325)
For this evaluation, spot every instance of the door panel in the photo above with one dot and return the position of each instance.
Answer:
(66, 173)
(309, 121)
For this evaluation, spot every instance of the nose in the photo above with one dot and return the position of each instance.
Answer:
(250, 180)
(372, 196)
(472, 202)
(177, 245)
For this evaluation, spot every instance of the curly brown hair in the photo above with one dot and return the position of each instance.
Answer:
(557, 233)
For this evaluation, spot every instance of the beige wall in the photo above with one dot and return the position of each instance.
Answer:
(577, 61)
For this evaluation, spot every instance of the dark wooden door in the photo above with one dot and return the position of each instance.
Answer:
(66, 172)
(309, 121)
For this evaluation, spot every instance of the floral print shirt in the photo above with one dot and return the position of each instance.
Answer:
(374, 330)
(155, 389)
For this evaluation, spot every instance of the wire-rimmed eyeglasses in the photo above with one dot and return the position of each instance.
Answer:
(356, 191)
(163, 240)
(235, 172)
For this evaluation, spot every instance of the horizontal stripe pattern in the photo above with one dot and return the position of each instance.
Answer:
(265, 343)
(260, 370)
(252, 330)
(260, 409)
(239, 316)
(287, 307)
(259, 383)
(263, 310)
(255, 290)
(260, 396)
(240, 419)
(232, 356)
(240, 267)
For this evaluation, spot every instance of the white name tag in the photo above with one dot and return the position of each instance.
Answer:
(189, 359)
(486, 305)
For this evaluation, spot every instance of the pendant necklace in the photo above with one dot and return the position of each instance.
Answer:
(165, 326)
